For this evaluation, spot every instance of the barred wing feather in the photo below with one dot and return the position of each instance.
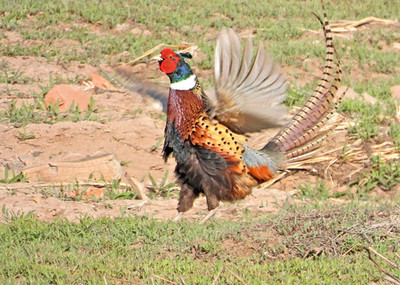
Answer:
(248, 93)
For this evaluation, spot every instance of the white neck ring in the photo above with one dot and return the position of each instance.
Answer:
(186, 84)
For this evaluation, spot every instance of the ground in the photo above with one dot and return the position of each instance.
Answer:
(130, 127)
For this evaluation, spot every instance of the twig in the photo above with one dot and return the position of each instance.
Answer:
(182, 280)
(150, 51)
(22, 185)
(364, 235)
(395, 279)
(209, 215)
(105, 280)
(367, 20)
(391, 280)
(121, 280)
(342, 27)
(237, 277)
(275, 179)
(350, 249)
(383, 225)
(345, 231)
(136, 186)
(333, 161)
(355, 171)
(216, 278)
(233, 274)
(384, 258)
(138, 206)
(163, 279)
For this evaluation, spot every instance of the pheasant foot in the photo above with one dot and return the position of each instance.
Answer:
(209, 215)
(179, 216)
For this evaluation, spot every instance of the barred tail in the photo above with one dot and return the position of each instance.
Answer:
(308, 127)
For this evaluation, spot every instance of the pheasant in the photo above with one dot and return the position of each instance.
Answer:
(205, 133)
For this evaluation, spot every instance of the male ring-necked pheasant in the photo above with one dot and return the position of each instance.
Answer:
(205, 133)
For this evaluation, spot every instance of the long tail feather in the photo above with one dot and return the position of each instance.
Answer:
(308, 127)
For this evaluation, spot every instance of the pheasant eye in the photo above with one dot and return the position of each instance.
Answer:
(170, 56)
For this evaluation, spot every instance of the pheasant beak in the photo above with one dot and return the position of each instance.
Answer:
(157, 57)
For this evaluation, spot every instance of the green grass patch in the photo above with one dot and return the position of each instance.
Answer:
(37, 112)
(322, 242)
(383, 174)
(10, 177)
(281, 25)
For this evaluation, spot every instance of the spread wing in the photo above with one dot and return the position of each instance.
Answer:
(248, 93)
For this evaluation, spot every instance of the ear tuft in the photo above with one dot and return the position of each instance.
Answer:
(185, 55)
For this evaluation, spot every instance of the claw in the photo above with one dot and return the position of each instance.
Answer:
(179, 216)
(209, 215)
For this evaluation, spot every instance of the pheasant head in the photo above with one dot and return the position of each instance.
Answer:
(178, 71)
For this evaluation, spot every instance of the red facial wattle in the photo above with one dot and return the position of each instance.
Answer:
(170, 60)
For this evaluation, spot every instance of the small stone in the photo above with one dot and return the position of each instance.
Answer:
(100, 81)
(94, 193)
(350, 93)
(396, 46)
(369, 99)
(141, 32)
(66, 95)
(122, 27)
(37, 200)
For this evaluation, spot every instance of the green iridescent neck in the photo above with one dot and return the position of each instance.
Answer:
(182, 72)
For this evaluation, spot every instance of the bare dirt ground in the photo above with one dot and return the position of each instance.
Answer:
(129, 127)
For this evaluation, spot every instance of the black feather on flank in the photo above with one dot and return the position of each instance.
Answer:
(173, 143)
(213, 164)
(204, 167)
(204, 172)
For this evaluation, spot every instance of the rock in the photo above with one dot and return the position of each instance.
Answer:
(66, 95)
(395, 90)
(122, 27)
(105, 167)
(92, 192)
(37, 200)
(141, 32)
(100, 81)
(351, 94)
(368, 98)
(26, 159)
